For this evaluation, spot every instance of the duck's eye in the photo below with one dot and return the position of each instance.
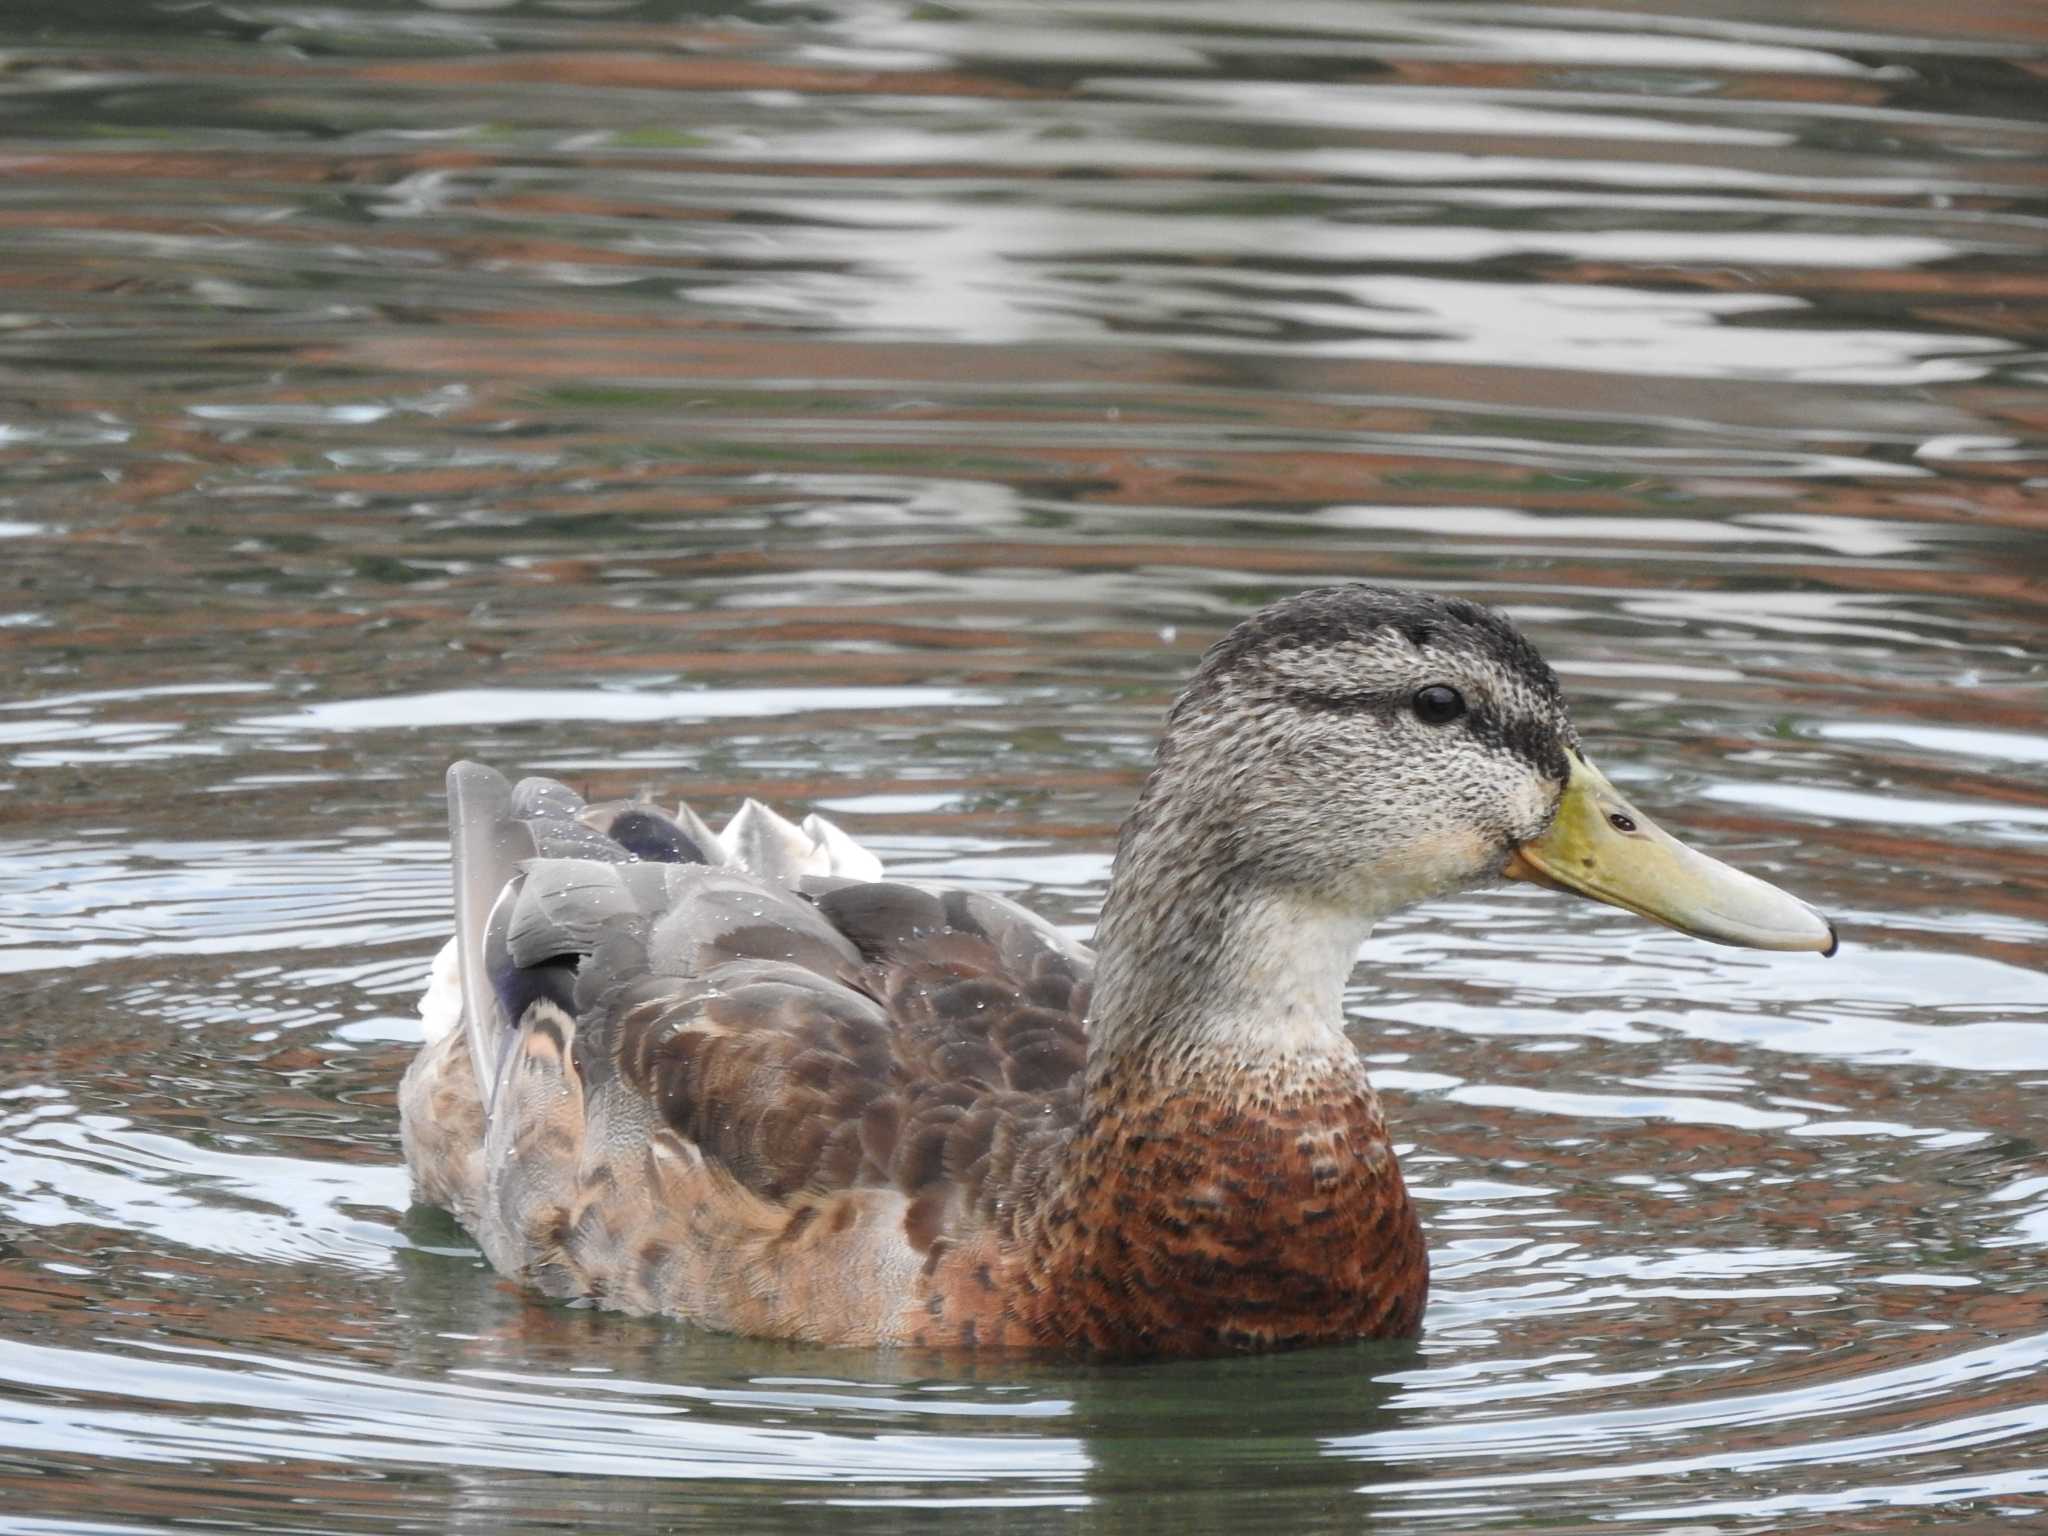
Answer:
(1438, 704)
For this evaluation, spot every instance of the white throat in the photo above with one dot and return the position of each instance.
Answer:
(1258, 985)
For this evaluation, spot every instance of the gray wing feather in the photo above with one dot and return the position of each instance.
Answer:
(535, 797)
(554, 817)
(1023, 938)
(566, 906)
(565, 901)
(718, 915)
(488, 843)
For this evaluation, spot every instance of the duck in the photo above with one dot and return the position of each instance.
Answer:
(744, 1079)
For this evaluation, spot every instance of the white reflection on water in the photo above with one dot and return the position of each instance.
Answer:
(59, 1169)
(1417, 111)
(1596, 1433)
(501, 706)
(80, 905)
(994, 274)
(243, 1408)
(1948, 740)
(1886, 809)
(1842, 536)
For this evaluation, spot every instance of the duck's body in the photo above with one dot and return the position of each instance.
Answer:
(864, 1117)
(739, 1083)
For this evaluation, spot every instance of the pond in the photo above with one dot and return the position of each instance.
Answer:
(878, 406)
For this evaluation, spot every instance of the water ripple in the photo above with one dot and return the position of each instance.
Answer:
(880, 405)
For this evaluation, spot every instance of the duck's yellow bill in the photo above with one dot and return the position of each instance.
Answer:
(1603, 847)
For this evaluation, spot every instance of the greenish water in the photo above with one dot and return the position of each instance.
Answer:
(879, 406)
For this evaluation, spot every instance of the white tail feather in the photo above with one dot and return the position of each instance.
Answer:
(441, 1003)
(773, 847)
(843, 856)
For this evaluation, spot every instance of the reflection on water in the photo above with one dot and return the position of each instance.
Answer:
(880, 406)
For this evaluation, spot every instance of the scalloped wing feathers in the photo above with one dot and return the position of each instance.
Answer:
(762, 1103)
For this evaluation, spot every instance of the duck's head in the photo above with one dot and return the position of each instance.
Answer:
(1359, 749)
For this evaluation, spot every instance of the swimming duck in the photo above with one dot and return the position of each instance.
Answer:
(743, 1079)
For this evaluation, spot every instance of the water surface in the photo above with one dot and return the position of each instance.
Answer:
(879, 406)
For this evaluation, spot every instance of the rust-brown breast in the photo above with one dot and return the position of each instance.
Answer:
(1194, 1222)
